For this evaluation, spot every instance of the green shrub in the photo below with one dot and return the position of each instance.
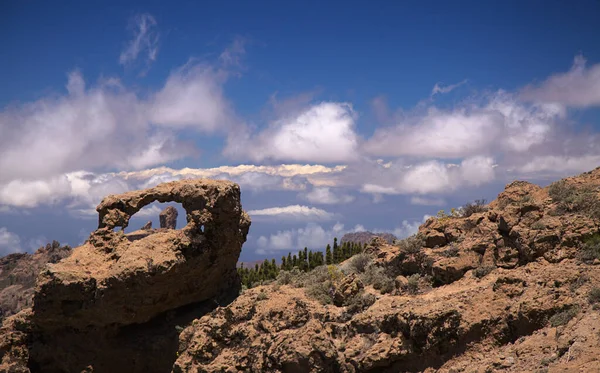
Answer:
(262, 295)
(451, 252)
(376, 276)
(412, 244)
(538, 225)
(413, 283)
(482, 271)
(360, 302)
(479, 205)
(359, 263)
(292, 277)
(569, 198)
(563, 317)
(590, 249)
(594, 295)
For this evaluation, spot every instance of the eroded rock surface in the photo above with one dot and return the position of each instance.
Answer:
(501, 290)
(168, 218)
(114, 304)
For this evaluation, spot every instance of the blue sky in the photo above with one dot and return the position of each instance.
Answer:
(332, 116)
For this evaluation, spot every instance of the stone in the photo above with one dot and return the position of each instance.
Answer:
(147, 226)
(168, 218)
(434, 238)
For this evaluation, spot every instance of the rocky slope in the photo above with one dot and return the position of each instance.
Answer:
(18, 273)
(512, 287)
(115, 304)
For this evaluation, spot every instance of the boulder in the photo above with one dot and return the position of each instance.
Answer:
(168, 218)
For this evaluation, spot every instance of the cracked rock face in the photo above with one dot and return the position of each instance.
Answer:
(116, 303)
(110, 280)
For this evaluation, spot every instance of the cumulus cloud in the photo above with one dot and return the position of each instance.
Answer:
(144, 41)
(431, 177)
(501, 124)
(578, 87)
(325, 196)
(83, 190)
(408, 228)
(322, 133)
(313, 236)
(9, 242)
(293, 212)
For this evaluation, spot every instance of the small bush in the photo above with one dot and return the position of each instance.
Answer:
(412, 244)
(579, 282)
(590, 249)
(563, 317)
(360, 302)
(359, 263)
(262, 296)
(538, 225)
(452, 252)
(482, 271)
(413, 283)
(376, 276)
(291, 277)
(473, 207)
(594, 295)
(320, 283)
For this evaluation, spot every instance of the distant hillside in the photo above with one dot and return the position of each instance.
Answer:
(366, 237)
(18, 273)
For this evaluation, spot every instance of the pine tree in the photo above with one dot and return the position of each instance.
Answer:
(283, 266)
(311, 260)
(290, 264)
(328, 256)
(294, 261)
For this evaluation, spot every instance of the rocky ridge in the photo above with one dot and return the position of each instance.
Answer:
(114, 305)
(509, 287)
(513, 286)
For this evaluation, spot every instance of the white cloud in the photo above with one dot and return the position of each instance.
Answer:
(294, 212)
(439, 88)
(9, 242)
(322, 133)
(312, 236)
(431, 177)
(325, 196)
(416, 200)
(192, 97)
(144, 40)
(579, 87)
(499, 125)
(408, 228)
(560, 164)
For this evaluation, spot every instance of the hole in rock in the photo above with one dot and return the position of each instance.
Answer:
(149, 220)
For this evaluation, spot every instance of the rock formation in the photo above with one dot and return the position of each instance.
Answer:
(18, 273)
(168, 218)
(147, 226)
(114, 304)
(513, 287)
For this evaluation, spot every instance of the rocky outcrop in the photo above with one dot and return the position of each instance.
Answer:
(113, 305)
(18, 273)
(168, 218)
(504, 289)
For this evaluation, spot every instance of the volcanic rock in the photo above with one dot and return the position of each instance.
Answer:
(168, 218)
(114, 304)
